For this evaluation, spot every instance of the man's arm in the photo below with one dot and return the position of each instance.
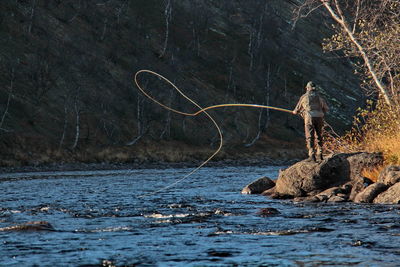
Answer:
(299, 107)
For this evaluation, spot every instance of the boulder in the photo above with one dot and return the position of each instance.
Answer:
(310, 178)
(330, 192)
(369, 193)
(30, 226)
(390, 175)
(258, 186)
(269, 192)
(390, 196)
(336, 199)
(310, 199)
(357, 188)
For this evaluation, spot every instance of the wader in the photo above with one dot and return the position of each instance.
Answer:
(312, 108)
(313, 132)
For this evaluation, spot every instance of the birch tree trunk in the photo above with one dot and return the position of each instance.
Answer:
(77, 125)
(340, 19)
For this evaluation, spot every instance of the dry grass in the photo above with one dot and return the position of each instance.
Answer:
(372, 174)
(375, 129)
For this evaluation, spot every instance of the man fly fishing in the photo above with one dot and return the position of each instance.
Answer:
(312, 107)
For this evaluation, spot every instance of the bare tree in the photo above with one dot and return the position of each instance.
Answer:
(338, 15)
(103, 34)
(8, 99)
(256, 36)
(352, 14)
(263, 123)
(141, 129)
(33, 8)
(168, 17)
(60, 144)
(77, 118)
(166, 133)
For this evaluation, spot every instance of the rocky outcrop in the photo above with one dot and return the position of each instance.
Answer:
(309, 178)
(258, 186)
(390, 175)
(369, 193)
(338, 179)
(30, 226)
(390, 196)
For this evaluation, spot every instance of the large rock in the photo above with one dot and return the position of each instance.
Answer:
(309, 178)
(390, 175)
(357, 188)
(369, 193)
(390, 196)
(258, 186)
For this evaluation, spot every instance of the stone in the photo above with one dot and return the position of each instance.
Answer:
(357, 188)
(269, 192)
(30, 226)
(346, 188)
(267, 212)
(310, 199)
(309, 178)
(336, 199)
(390, 196)
(390, 175)
(369, 193)
(258, 186)
(333, 191)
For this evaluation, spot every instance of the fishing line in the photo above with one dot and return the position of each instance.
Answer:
(201, 110)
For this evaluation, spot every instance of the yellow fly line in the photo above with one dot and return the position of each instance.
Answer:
(201, 110)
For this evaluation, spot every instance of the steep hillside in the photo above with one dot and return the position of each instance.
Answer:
(67, 93)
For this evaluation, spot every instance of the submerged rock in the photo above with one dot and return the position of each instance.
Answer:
(369, 193)
(267, 212)
(258, 186)
(309, 178)
(30, 226)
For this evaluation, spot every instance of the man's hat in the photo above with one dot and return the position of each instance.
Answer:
(310, 84)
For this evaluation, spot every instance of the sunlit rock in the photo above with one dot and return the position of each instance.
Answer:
(369, 193)
(258, 186)
(390, 196)
(307, 178)
(390, 175)
(30, 226)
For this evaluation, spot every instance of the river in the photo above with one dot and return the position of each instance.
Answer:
(203, 221)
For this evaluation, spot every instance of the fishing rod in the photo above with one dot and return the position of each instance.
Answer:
(201, 110)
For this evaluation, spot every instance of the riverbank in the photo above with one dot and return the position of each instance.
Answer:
(146, 154)
(80, 166)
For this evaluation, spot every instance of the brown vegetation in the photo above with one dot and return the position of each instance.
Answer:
(368, 33)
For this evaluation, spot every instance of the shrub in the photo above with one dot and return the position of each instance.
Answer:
(376, 128)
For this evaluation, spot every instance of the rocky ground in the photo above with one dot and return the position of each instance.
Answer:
(338, 178)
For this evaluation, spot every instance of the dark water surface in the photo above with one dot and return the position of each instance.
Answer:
(203, 221)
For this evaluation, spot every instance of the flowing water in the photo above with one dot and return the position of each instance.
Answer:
(203, 221)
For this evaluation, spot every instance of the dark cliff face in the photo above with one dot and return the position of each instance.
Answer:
(66, 74)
